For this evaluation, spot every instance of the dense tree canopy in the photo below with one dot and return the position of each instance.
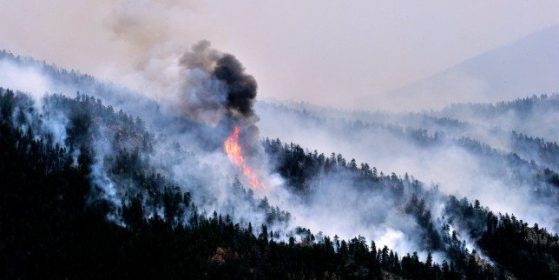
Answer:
(56, 222)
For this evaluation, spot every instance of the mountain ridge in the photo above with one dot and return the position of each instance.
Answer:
(524, 67)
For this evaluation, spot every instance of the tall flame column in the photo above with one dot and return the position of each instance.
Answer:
(235, 153)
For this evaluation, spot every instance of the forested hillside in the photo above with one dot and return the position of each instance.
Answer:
(57, 222)
(96, 186)
(68, 213)
(462, 151)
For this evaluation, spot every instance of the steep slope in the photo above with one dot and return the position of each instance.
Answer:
(460, 156)
(59, 223)
(120, 165)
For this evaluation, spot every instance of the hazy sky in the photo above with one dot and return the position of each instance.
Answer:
(325, 52)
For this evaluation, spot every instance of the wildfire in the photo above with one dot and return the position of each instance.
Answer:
(235, 154)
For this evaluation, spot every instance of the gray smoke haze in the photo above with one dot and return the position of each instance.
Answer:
(335, 205)
(193, 97)
(180, 152)
(433, 154)
(180, 148)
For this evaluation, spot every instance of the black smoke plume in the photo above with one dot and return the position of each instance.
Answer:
(241, 88)
(220, 94)
(218, 89)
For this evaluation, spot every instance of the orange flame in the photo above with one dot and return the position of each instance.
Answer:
(235, 154)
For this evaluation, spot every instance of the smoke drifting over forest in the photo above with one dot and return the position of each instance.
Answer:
(461, 152)
(216, 95)
(190, 149)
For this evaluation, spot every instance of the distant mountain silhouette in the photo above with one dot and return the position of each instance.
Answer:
(525, 67)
